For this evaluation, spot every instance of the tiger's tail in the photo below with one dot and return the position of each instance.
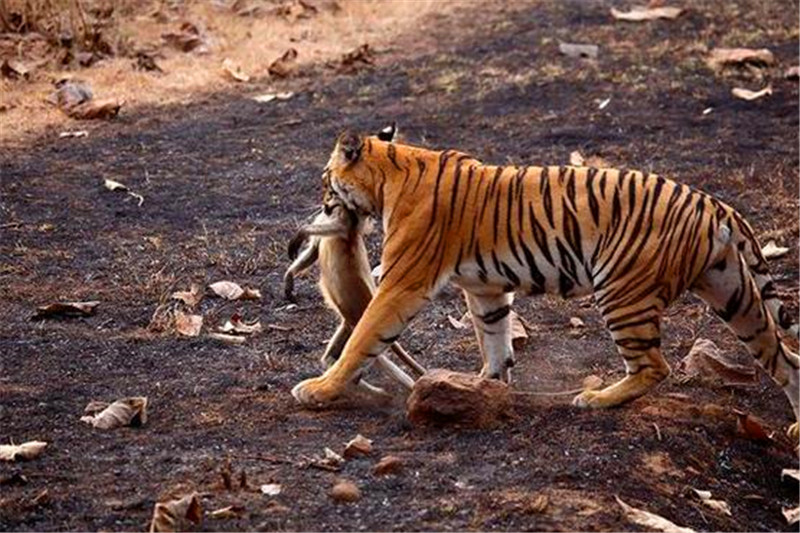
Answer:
(750, 250)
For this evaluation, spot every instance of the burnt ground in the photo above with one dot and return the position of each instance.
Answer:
(226, 181)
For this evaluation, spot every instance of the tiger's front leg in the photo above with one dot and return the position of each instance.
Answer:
(491, 318)
(382, 323)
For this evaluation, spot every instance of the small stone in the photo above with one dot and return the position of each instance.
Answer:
(388, 465)
(446, 397)
(345, 491)
(360, 445)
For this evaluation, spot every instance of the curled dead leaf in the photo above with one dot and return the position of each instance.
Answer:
(123, 412)
(96, 109)
(191, 298)
(359, 445)
(234, 70)
(706, 360)
(285, 65)
(237, 325)
(718, 505)
(791, 472)
(773, 251)
(233, 291)
(188, 38)
(576, 322)
(750, 427)
(112, 185)
(269, 97)
(66, 309)
(746, 94)
(720, 58)
(588, 51)
(650, 520)
(15, 70)
(177, 515)
(188, 325)
(357, 58)
(345, 491)
(26, 450)
(642, 13)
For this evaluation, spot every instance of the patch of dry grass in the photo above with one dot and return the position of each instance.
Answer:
(251, 42)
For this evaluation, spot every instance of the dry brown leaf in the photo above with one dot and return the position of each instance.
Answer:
(357, 58)
(576, 159)
(188, 325)
(589, 51)
(642, 13)
(67, 309)
(519, 332)
(11, 68)
(650, 520)
(723, 57)
(177, 515)
(230, 339)
(233, 291)
(746, 94)
(237, 325)
(96, 109)
(192, 297)
(345, 491)
(706, 360)
(576, 322)
(750, 427)
(792, 515)
(773, 251)
(26, 450)
(112, 185)
(123, 412)
(234, 70)
(718, 505)
(269, 97)
(359, 445)
(188, 38)
(285, 65)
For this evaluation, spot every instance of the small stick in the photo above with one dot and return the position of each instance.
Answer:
(658, 431)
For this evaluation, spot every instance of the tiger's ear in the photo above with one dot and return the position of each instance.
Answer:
(387, 134)
(349, 147)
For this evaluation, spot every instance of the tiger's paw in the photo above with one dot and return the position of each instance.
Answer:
(793, 432)
(314, 391)
(585, 399)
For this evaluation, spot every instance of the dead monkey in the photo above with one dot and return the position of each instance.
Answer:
(336, 240)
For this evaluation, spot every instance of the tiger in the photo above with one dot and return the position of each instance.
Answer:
(634, 241)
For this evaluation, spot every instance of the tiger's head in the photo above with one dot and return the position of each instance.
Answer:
(355, 171)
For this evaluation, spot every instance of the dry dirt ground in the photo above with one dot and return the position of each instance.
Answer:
(226, 181)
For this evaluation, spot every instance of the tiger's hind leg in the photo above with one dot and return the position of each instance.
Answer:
(636, 331)
(731, 290)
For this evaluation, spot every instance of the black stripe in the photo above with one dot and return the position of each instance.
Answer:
(492, 317)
